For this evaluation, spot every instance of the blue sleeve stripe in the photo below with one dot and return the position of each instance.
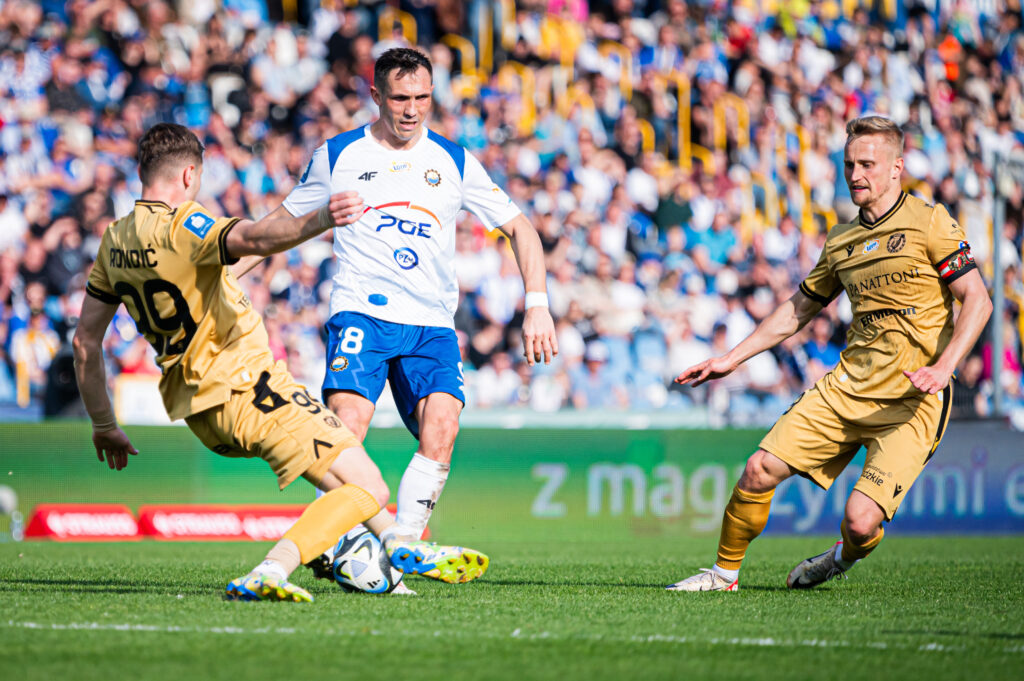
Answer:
(337, 144)
(454, 150)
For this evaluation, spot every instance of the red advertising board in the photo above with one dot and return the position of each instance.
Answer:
(217, 523)
(183, 522)
(83, 522)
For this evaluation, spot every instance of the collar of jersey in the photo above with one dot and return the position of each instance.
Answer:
(422, 140)
(888, 214)
(148, 203)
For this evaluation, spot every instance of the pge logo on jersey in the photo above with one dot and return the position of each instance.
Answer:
(406, 258)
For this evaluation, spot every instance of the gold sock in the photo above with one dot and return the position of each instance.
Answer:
(746, 514)
(853, 551)
(329, 517)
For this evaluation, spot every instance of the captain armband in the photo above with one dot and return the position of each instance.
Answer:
(956, 264)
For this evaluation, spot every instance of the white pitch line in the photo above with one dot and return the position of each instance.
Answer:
(517, 634)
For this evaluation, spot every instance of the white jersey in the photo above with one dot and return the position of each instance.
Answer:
(396, 263)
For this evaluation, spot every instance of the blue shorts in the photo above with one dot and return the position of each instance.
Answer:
(363, 352)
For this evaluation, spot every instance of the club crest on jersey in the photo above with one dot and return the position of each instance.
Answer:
(406, 258)
(199, 224)
(895, 242)
(400, 166)
(870, 245)
(339, 363)
(432, 177)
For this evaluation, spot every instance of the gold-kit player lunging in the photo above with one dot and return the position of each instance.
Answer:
(169, 262)
(901, 262)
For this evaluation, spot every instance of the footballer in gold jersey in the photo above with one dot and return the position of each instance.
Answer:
(902, 263)
(168, 262)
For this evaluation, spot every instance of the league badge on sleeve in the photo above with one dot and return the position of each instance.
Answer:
(199, 224)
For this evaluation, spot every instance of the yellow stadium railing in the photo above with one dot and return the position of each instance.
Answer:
(386, 24)
(706, 158)
(608, 47)
(487, 43)
(467, 53)
(725, 102)
(682, 84)
(573, 96)
(646, 134)
(806, 212)
(772, 214)
(511, 74)
(508, 24)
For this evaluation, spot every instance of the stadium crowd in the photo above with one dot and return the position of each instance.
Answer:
(655, 261)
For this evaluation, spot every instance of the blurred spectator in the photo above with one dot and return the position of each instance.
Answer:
(654, 261)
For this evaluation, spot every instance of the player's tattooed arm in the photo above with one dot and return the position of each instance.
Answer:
(280, 231)
(539, 339)
(976, 307)
(785, 321)
(110, 441)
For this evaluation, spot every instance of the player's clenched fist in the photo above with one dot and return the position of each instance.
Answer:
(345, 207)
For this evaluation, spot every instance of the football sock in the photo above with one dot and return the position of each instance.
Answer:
(746, 514)
(852, 552)
(418, 491)
(329, 517)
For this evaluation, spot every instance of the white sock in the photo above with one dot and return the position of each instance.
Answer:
(271, 568)
(419, 490)
(838, 557)
(728, 575)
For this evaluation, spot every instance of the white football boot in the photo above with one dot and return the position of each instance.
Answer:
(816, 570)
(705, 580)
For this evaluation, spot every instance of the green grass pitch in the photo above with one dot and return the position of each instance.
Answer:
(920, 608)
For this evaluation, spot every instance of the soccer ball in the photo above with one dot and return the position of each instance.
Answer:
(362, 564)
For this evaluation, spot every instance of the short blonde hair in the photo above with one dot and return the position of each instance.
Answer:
(876, 125)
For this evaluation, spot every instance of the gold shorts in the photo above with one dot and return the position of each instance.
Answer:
(278, 421)
(826, 427)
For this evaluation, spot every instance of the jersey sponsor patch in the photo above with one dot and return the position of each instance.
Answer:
(870, 245)
(199, 224)
(957, 264)
(895, 242)
(406, 258)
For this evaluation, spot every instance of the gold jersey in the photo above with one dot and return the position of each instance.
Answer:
(896, 272)
(168, 267)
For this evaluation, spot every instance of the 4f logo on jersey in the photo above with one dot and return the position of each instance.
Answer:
(432, 177)
(870, 245)
(368, 175)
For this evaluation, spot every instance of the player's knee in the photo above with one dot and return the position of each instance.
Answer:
(756, 476)
(862, 527)
(378, 489)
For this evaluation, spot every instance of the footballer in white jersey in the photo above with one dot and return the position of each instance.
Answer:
(397, 262)
(395, 293)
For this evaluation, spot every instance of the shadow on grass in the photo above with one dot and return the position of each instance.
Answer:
(98, 586)
(998, 636)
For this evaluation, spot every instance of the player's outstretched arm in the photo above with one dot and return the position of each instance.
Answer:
(786, 320)
(280, 231)
(109, 440)
(539, 340)
(976, 307)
